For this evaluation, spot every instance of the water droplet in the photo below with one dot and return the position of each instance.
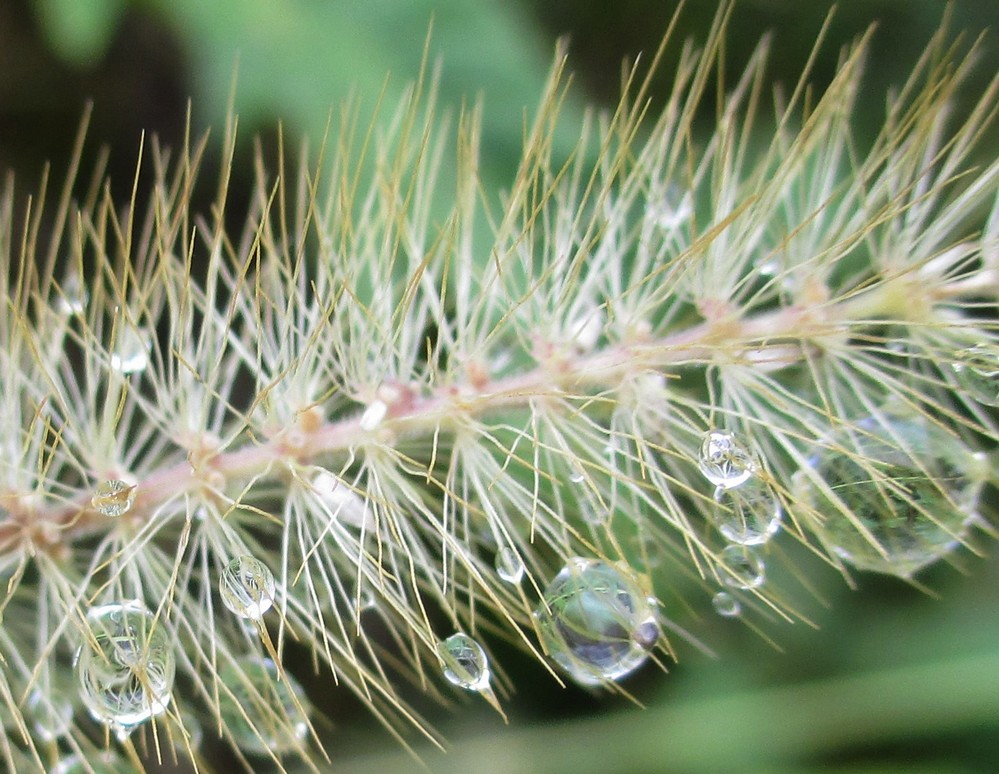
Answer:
(126, 666)
(509, 565)
(74, 297)
(247, 587)
(724, 461)
(596, 622)
(742, 568)
(53, 715)
(749, 514)
(577, 476)
(892, 494)
(465, 663)
(261, 714)
(113, 498)
(726, 605)
(976, 370)
(131, 352)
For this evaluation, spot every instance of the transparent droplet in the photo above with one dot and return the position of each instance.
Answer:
(52, 715)
(131, 352)
(465, 663)
(724, 461)
(509, 565)
(261, 714)
(749, 514)
(892, 494)
(74, 297)
(976, 370)
(596, 622)
(742, 568)
(113, 498)
(576, 475)
(726, 605)
(247, 587)
(126, 666)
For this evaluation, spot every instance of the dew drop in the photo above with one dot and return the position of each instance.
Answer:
(113, 498)
(74, 297)
(724, 461)
(894, 494)
(726, 605)
(131, 352)
(596, 622)
(262, 713)
(976, 371)
(742, 568)
(465, 663)
(749, 514)
(126, 666)
(247, 587)
(509, 565)
(53, 715)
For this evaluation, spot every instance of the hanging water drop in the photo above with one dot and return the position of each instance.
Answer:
(465, 662)
(742, 568)
(976, 370)
(724, 461)
(126, 666)
(596, 622)
(247, 587)
(261, 713)
(131, 352)
(509, 565)
(749, 514)
(113, 498)
(726, 605)
(891, 494)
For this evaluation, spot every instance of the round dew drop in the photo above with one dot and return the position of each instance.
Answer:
(894, 494)
(247, 587)
(726, 605)
(976, 370)
(113, 498)
(261, 713)
(724, 460)
(742, 568)
(596, 622)
(465, 662)
(509, 565)
(748, 515)
(131, 353)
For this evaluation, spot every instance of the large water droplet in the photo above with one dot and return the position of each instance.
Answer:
(749, 514)
(53, 715)
(894, 494)
(596, 622)
(113, 498)
(262, 714)
(131, 352)
(726, 605)
(509, 565)
(742, 568)
(976, 371)
(247, 587)
(126, 670)
(724, 460)
(465, 662)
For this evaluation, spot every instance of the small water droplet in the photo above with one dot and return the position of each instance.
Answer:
(126, 666)
(596, 622)
(260, 712)
(53, 715)
(113, 498)
(74, 297)
(893, 493)
(976, 370)
(131, 352)
(509, 565)
(577, 476)
(742, 568)
(749, 514)
(247, 587)
(465, 662)
(724, 460)
(726, 605)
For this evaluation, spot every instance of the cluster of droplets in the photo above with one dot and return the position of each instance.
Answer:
(125, 668)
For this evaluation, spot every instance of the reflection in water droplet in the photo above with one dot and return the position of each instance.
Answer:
(131, 352)
(126, 667)
(74, 298)
(465, 663)
(726, 605)
(976, 370)
(894, 494)
(113, 498)
(749, 514)
(724, 461)
(261, 714)
(742, 568)
(596, 622)
(509, 565)
(247, 587)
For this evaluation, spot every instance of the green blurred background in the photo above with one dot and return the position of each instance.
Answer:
(892, 679)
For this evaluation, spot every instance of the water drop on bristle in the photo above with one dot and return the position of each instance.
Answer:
(742, 568)
(976, 371)
(465, 662)
(247, 587)
(726, 605)
(74, 298)
(596, 622)
(131, 352)
(749, 514)
(259, 712)
(724, 461)
(113, 498)
(509, 565)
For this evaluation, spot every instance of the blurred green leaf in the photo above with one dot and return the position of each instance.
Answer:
(79, 31)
